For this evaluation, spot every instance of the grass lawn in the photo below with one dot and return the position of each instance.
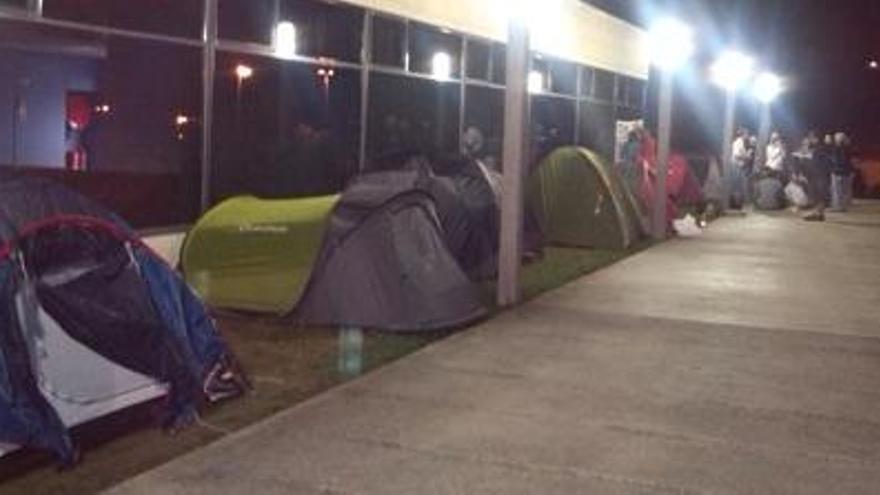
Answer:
(287, 365)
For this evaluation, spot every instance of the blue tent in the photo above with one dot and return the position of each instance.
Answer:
(91, 320)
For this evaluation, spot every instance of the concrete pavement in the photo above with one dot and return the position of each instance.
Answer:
(743, 361)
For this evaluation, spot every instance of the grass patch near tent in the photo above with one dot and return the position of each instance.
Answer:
(287, 365)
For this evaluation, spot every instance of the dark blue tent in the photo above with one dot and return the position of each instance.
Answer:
(70, 267)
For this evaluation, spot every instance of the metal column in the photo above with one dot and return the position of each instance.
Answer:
(209, 62)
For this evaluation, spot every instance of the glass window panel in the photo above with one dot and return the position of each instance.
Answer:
(484, 113)
(87, 111)
(499, 63)
(176, 18)
(587, 81)
(563, 77)
(597, 128)
(426, 42)
(636, 93)
(411, 114)
(325, 30)
(389, 41)
(287, 129)
(478, 60)
(603, 85)
(552, 125)
(247, 20)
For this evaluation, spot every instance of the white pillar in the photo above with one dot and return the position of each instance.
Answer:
(516, 119)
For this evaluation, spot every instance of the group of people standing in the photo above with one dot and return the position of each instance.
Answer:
(819, 173)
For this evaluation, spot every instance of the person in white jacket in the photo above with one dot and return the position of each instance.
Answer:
(741, 157)
(776, 153)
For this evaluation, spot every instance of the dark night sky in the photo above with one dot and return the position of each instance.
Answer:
(821, 46)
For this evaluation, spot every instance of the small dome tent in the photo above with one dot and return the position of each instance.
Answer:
(576, 199)
(91, 321)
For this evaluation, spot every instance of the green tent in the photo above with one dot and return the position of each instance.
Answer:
(577, 199)
(256, 254)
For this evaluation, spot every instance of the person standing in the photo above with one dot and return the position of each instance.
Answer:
(776, 154)
(741, 158)
(842, 173)
(819, 178)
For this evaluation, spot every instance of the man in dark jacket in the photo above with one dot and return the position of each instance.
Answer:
(842, 173)
(819, 178)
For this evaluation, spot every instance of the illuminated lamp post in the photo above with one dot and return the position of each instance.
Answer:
(766, 88)
(671, 45)
(731, 71)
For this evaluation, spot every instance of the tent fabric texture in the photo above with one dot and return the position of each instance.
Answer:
(256, 254)
(398, 250)
(385, 261)
(577, 199)
(69, 268)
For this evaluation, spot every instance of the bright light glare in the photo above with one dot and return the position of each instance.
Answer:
(243, 72)
(767, 87)
(536, 82)
(732, 70)
(285, 39)
(670, 43)
(181, 119)
(441, 66)
(874, 65)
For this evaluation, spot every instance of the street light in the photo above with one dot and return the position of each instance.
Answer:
(732, 70)
(671, 45)
(766, 88)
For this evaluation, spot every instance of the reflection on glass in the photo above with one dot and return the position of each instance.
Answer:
(484, 112)
(176, 18)
(425, 42)
(499, 63)
(552, 125)
(597, 128)
(285, 40)
(389, 42)
(587, 75)
(325, 29)
(478, 55)
(85, 109)
(408, 114)
(603, 86)
(283, 129)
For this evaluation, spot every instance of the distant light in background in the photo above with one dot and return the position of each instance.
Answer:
(441, 66)
(670, 43)
(181, 120)
(243, 72)
(103, 109)
(285, 40)
(732, 70)
(767, 87)
(873, 64)
(536, 82)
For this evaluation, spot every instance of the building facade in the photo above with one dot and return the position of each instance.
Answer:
(159, 109)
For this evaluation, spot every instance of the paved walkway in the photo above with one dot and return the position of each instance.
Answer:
(744, 361)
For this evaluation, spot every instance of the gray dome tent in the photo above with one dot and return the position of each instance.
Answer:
(384, 262)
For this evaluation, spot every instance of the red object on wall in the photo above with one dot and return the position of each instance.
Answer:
(79, 110)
